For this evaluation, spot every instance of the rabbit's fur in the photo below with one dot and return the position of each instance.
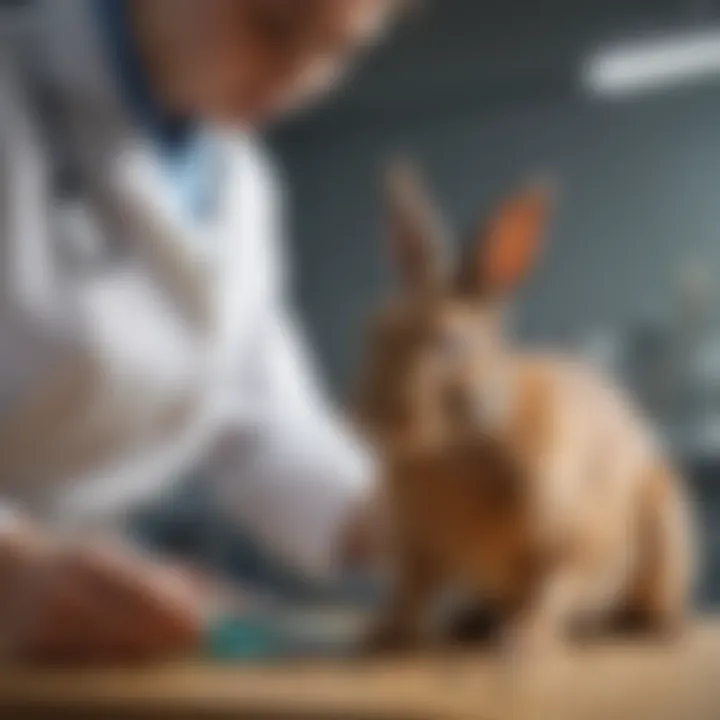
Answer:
(525, 478)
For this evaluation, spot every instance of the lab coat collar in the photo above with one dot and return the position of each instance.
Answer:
(198, 267)
(108, 146)
(126, 64)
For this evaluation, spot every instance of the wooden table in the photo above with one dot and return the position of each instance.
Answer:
(618, 681)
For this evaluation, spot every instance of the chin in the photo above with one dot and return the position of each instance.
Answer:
(228, 118)
(229, 115)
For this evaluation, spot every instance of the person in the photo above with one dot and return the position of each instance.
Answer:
(144, 327)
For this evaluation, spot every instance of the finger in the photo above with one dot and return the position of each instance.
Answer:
(152, 606)
(65, 626)
(75, 625)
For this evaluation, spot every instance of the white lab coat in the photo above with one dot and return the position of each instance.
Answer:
(135, 345)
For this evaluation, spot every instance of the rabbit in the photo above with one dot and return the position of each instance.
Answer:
(525, 478)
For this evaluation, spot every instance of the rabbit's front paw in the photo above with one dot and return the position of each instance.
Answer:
(530, 644)
(389, 637)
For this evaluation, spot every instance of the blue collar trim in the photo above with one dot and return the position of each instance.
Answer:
(172, 133)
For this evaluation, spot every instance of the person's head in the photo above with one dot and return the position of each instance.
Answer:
(246, 61)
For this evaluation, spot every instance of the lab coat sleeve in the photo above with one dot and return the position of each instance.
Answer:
(58, 425)
(26, 281)
(294, 471)
(23, 265)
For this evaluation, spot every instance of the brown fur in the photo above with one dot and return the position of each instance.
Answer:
(527, 479)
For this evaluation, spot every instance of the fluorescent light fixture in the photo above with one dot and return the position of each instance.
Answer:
(654, 64)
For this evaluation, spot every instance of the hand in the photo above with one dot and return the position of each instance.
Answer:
(93, 604)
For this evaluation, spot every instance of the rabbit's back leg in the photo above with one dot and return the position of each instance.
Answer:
(660, 593)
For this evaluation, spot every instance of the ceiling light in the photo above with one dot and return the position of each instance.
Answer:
(654, 64)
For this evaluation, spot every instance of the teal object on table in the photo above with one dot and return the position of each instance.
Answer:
(248, 638)
(278, 636)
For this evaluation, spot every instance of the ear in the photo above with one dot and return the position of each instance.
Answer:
(418, 237)
(506, 248)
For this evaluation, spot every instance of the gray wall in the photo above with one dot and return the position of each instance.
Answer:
(483, 97)
(640, 193)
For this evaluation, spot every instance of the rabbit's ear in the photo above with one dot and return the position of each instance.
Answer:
(508, 246)
(418, 237)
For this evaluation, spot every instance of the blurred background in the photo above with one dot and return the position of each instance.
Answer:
(619, 102)
(483, 94)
